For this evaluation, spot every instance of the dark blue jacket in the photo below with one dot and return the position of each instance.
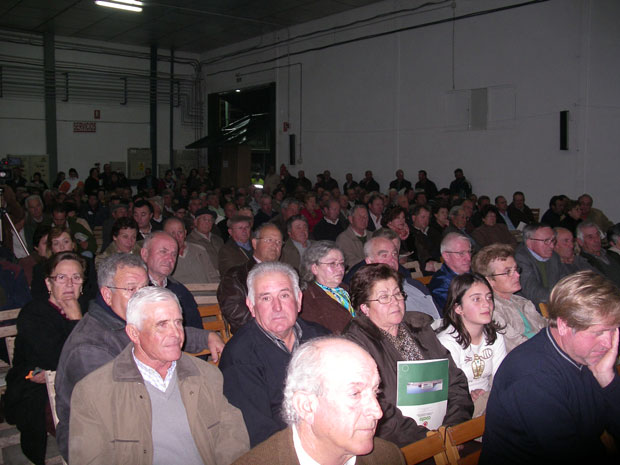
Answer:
(191, 316)
(439, 285)
(254, 370)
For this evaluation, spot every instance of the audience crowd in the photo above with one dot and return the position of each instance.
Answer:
(295, 262)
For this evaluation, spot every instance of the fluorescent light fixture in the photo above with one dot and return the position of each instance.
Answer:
(122, 6)
(237, 90)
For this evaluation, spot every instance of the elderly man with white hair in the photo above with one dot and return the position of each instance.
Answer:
(330, 406)
(254, 361)
(153, 404)
(589, 239)
(456, 252)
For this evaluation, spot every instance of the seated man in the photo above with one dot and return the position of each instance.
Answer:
(193, 262)
(297, 242)
(330, 226)
(456, 253)
(518, 211)
(182, 416)
(458, 224)
(502, 209)
(100, 335)
(254, 362)
(589, 239)
(159, 252)
(203, 235)
(541, 267)
(565, 248)
(352, 240)
(265, 212)
(320, 376)
(237, 249)
(553, 216)
(554, 395)
(232, 292)
(518, 316)
(594, 215)
(613, 239)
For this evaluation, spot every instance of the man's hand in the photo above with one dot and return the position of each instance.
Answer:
(216, 345)
(605, 370)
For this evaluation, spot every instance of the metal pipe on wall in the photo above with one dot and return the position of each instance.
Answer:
(153, 108)
(51, 137)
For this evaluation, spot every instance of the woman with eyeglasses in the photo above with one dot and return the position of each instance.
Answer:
(43, 326)
(390, 335)
(472, 337)
(518, 316)
(326, 300)
(59, 240)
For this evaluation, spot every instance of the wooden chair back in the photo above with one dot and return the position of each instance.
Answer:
(50, 377)
(10, 348)
(431, 446)
(460, 434)
(544, 309)
(214, 322)
(425, 280)
(202, 287)
(414, 266)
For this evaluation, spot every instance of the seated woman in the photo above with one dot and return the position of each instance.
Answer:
(59, 240)
(470, 334)
(325, 301)
(311, 210)
(39, 253)
(394, 219)
(573, 216)
(124, 233)
(390, 335)
(43, 326)
(440, 220)
(516, 314)
(490, 231)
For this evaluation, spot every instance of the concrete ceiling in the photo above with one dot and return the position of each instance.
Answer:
(183, 25)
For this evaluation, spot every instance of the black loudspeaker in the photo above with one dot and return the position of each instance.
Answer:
(564, 130)
(291, 149)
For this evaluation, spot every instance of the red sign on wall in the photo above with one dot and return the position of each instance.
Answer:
(84, 126)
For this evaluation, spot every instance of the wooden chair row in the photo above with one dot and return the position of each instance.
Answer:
(443, 444)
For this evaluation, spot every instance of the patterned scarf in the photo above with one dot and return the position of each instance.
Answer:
(339, 295)
(404, 343)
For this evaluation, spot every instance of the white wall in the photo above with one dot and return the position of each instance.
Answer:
(22, 120)
(380, 104)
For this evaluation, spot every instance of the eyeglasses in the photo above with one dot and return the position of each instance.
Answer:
(387, 298)
(460, 254)
(549, 241)
(333, 264)
(64, 279)
(509, 273)
(270, 241)
(128, 290)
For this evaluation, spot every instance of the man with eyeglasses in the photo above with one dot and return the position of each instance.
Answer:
(541, 267)
(100, 336)
(516, 314)
(232, 291)
(456, 252)
(255, 360)
(419, 299)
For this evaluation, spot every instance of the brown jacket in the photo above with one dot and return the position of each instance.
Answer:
(111, 415)
(279, 450)
(319, 307)
(352, 247)
(394, 426)
(231, 255)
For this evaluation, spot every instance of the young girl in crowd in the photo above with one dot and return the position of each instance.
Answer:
(470, 334)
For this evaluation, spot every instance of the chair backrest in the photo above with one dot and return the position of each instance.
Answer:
(50, 376)
(414, 266)
(544, 310)
(10, 348)
(214, 323)
(460, 434)
(425, 279)
(205, 299)
(202, 287)
(430, 446)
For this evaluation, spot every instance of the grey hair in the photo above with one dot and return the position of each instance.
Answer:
(155, 234)
(312, 256)
(454, 211)
(587, 224)
(447, 241)
(138, 306)
(108, 268)
(33, 197)
(287, 202)
(387, 233)
(158, 200)
(272, 267)
(356, 208)
(259, 231)
(368, 246)
(292, 219)
(530, 230)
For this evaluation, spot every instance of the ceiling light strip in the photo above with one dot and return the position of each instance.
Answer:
(119, 6)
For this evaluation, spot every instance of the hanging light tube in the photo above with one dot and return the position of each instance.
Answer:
(128, 5)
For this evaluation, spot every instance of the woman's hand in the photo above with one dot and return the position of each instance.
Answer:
(72, 309)
(39, 378)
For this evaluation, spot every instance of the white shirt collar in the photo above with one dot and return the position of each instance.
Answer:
(151, 376)
(302, 455)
